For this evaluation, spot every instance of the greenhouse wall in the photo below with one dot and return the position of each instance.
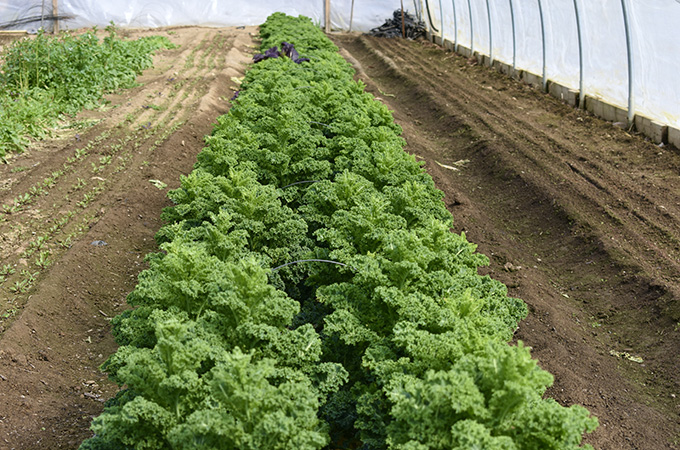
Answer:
(616, 58)
(155, 13)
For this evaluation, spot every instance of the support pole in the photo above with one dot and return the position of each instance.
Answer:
(327, 13)
(351, 16)
(540, 12)
(629, 50)
(55, 13)
(455, 27)
(472, 34)
(488, 15)
(441, 22)
(581, 91)
(514, 38)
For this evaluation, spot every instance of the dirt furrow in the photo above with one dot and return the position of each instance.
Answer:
(567, 149)
(539, 187)
(558, 155)
(120, 170)
(73, 190)
(627, 235)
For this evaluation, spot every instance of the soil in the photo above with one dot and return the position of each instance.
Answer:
(103, 189)
(578, 217)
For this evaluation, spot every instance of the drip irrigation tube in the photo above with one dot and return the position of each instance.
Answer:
(581, 92)
(314, 260)
(429, 16)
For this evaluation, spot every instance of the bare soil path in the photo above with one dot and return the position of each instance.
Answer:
(578, 217)
(79, 213)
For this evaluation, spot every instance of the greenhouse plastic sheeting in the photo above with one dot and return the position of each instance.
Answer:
(154, 13)
(655, 46)
(653, 26)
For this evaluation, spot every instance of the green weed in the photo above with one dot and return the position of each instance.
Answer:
(7, 269)
(43, 260)
(45, 78)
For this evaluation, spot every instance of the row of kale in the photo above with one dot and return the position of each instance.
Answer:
(309, 290)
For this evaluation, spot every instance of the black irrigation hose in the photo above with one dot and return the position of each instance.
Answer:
(25, 20)
(415, 6)
(429, 16)
(402, 24)
(300, 182)
(315, 260)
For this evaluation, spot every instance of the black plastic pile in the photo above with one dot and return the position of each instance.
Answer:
(392, 27)
(286, 50)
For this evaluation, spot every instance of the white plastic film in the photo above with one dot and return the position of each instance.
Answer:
(561, 40)
(655, 45)
(656, 58)
(653, 28)
(502, 35)
(481, 27)
(604, 49)
(528, 35)
(24, 14)
(157, 13)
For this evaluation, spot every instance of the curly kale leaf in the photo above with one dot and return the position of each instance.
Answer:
(490, 399)
(251, 412)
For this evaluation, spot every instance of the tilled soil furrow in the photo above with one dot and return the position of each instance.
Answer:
(179, 105)
(566, 212)
(641, 232)
(36, 245)
(99, 218)
(558, 156)
(567, 148)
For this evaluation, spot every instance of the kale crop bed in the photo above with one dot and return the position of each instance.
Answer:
(577, 217)
(246, 333)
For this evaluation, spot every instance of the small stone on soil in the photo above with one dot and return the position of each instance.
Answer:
(510, 267)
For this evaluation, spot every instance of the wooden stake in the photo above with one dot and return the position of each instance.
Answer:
(403, 27)
(55, 13)
(328, 16)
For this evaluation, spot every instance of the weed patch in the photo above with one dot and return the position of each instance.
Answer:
(46, 79)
